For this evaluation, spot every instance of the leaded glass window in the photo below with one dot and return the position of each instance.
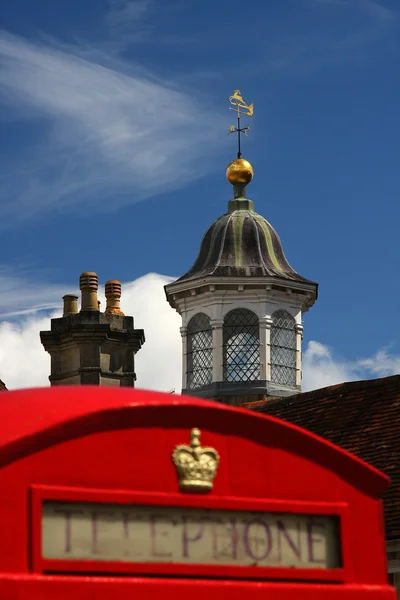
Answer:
(241, 338)
(199, 352)
(283, 348)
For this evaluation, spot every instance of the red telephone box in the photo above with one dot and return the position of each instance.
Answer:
(130, 494)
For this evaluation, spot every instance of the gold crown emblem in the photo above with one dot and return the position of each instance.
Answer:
(196, 466)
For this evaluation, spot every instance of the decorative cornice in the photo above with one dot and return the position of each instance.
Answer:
(180, 297)
(261, 283)
(56, 341)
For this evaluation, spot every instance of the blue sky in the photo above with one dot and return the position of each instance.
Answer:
(113, 149)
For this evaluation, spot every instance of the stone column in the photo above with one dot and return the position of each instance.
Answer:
(265, 348)
(183, 331)
(218, 350)
(299, 336)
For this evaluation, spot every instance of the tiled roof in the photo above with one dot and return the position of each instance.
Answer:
(362, 417)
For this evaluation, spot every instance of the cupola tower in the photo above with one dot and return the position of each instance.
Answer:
(241, 302)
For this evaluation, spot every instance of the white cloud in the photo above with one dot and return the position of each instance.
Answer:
(107, 136)
(24, 363)
(381, 364)
(322, 368)
(158, 364)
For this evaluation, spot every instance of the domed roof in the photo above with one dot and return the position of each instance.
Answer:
(241, 243)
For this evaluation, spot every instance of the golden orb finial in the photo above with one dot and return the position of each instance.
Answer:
(239, 171)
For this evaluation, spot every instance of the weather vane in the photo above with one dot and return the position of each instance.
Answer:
(241, 108)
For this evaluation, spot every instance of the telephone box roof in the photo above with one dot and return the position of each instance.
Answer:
(36, 419)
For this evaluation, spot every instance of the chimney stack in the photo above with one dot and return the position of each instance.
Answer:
(90, 347)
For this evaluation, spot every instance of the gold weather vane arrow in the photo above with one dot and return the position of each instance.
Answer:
(241, 108)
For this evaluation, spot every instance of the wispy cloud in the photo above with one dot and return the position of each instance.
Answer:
(340, 31)
(378, 10)
(23, 294)
(375, 25)
(127, 22)
(106, 137)
(123, 14)
(373, 7)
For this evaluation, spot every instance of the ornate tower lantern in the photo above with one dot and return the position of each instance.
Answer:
(241, 302)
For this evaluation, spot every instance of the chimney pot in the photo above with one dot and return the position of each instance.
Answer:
(89, 284)
(70, 305)
(113, 295)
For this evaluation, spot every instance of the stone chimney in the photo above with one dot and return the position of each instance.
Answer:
(88, 347)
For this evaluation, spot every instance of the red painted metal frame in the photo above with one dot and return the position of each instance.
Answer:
(45, 587)
(39, 493)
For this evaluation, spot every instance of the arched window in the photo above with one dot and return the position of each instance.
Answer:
(241, 338)
(199, 352)
(283, 348)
